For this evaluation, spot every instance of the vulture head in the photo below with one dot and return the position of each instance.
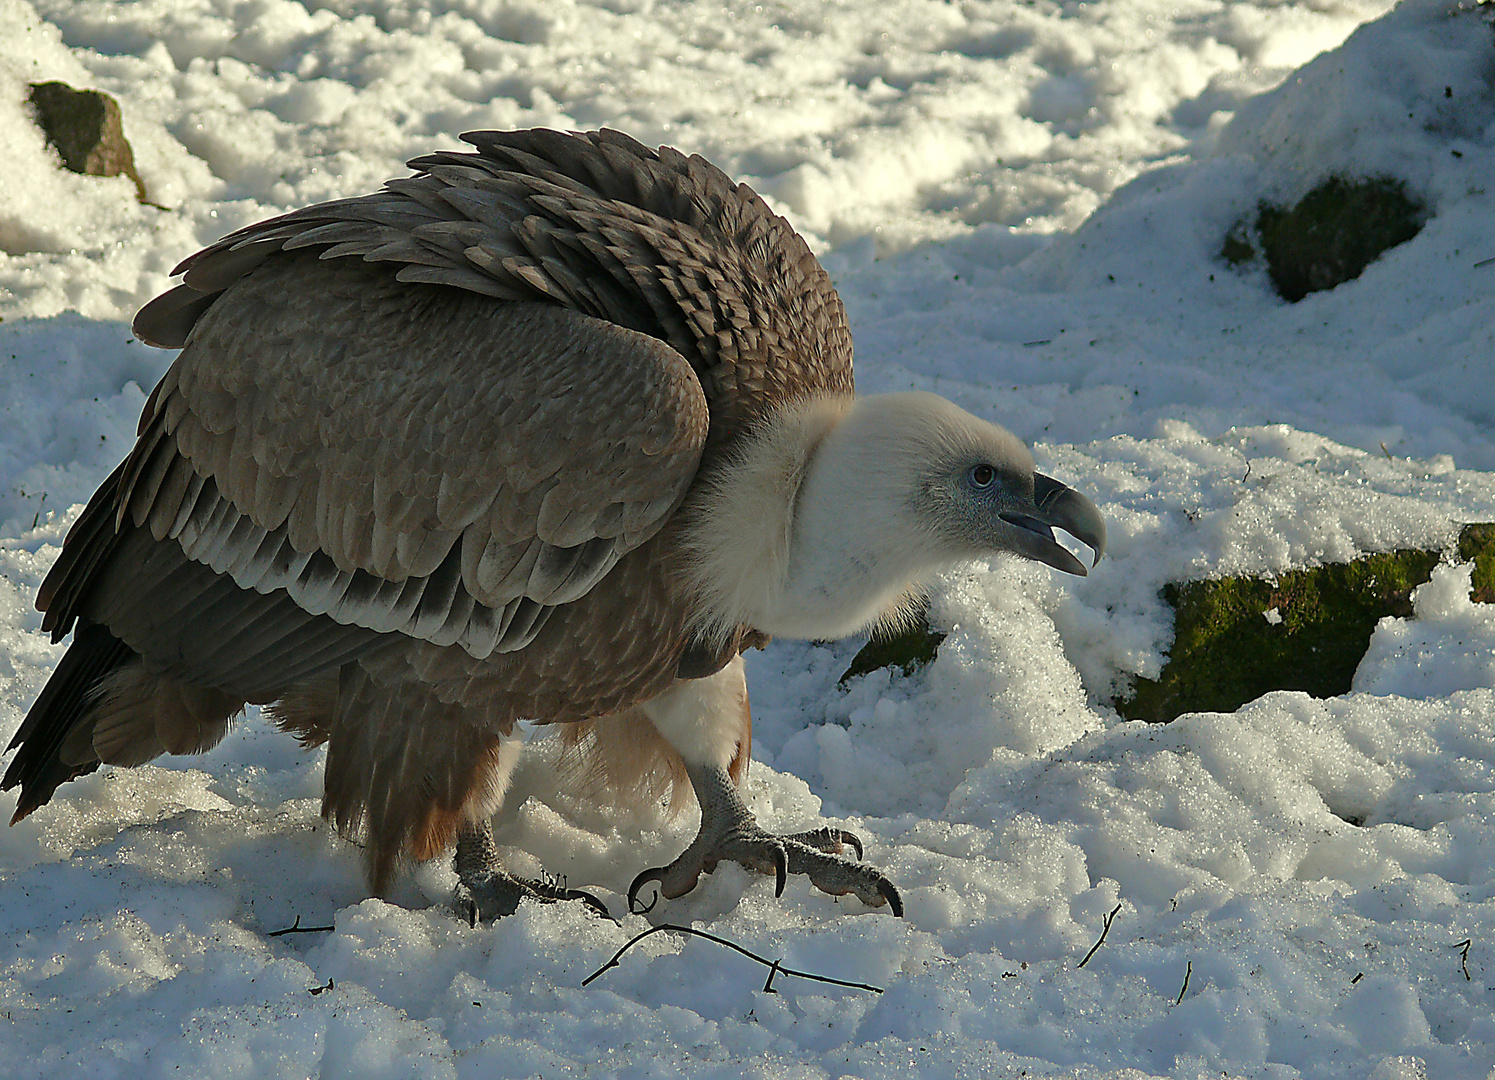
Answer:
(834, 513)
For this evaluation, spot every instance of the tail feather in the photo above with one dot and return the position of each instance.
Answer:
(89, 543)
(65, 702)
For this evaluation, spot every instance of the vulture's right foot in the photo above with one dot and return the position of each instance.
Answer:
(485, 890)
(729, 831)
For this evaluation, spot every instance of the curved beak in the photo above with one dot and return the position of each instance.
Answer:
(1058, 506)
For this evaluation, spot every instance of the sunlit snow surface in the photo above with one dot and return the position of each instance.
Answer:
(1022, 204)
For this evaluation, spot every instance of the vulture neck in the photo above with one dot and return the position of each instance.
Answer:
(808, 531)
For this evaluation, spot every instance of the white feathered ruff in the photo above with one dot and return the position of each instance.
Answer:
(828, 519)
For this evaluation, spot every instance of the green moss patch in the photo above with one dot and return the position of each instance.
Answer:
(1329, 236)
(1238, 638)
(1477, 545)
(911, 648)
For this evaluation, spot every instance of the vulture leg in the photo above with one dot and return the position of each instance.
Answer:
(703, 719)
(485, 890)
(409, 773)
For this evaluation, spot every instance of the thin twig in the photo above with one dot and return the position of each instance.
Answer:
(775, 966)
(1189, 970)
(1104, 930)
(1358, 976)
(1484, 262)
(1464, 955)
(297, 928)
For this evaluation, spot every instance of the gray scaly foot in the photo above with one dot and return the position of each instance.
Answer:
(485, 890)
(729, 831)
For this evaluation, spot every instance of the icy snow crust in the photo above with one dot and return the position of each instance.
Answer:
(1022, 205)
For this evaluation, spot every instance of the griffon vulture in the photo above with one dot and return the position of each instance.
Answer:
(551, 431)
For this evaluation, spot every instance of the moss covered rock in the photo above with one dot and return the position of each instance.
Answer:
(1238, 638)
(86, 129)
(1477, 545)
(1329, 236)
(910, 648)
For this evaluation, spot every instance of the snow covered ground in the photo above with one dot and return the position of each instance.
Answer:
(1022, 204)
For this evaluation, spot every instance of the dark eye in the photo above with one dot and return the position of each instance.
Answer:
(982, 476)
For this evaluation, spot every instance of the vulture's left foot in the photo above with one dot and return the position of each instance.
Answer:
(729, 831)
(485, 890)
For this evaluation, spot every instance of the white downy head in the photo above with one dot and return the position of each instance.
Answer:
(837, 509)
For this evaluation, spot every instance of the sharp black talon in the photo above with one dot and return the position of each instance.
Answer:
(634, 907)
(590, 901)
(472, 914)
(852, 839)
(780, 869)
(890, 894)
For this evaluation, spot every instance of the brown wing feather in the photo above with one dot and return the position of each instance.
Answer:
(651, 240)
(353, 432)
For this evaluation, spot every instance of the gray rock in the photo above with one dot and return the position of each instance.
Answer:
(84, 126)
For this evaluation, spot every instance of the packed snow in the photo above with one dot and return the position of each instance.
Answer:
(1023, 205)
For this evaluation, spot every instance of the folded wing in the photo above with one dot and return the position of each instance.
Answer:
(400, 458)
